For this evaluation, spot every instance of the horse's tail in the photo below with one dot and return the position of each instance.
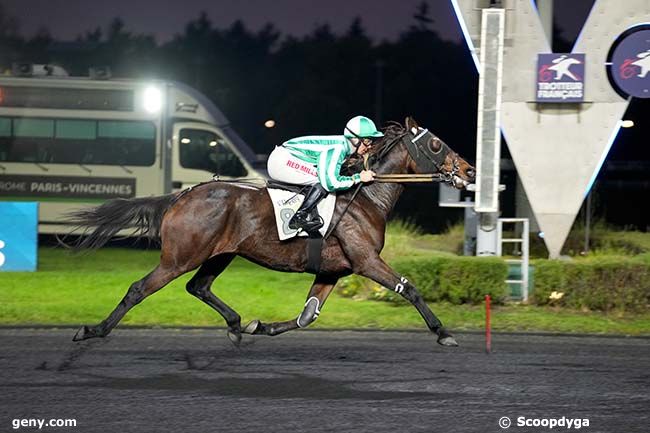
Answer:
(99, 224)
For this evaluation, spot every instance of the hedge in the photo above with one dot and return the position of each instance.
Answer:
(454, 279)
(603, 283)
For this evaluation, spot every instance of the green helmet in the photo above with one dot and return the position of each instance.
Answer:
(361, 127)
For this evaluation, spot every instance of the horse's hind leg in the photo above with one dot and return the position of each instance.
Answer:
(318, 293)
(139, 290)
(199, 286)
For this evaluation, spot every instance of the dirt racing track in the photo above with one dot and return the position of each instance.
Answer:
(168, 380)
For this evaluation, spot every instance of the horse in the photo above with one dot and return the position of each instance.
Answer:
(208, 225)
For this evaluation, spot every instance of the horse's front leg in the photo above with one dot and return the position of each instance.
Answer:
(377, 270)
(318, 293)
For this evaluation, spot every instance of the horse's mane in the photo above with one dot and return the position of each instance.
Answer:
(383, 194)
(392, 132)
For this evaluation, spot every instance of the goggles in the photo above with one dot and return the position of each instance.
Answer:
(366, 141)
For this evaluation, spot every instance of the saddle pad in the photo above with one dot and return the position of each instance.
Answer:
(286, 203)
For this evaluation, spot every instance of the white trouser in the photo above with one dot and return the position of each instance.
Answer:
(285, 167)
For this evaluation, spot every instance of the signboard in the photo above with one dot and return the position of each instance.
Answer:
(560, 77)
(631, 64)
(66, 186)
(18, 236)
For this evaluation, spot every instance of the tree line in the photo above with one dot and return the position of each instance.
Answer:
(307, 85)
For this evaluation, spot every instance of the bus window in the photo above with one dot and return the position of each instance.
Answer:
(74, 141)
(69, 141)
(204, 150)
(34, 128)
(32, 139)
(5, 127)
(5, 138)
(76, 129)
(128, 143)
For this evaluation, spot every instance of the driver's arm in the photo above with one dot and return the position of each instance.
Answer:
(329, 170)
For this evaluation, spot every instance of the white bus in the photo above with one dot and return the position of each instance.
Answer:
(73, 142)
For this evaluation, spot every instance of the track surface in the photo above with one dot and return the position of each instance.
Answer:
(153, 380)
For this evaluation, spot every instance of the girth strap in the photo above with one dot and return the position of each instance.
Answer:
(314, 248)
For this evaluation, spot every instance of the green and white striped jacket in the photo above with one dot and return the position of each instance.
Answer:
(327, 153)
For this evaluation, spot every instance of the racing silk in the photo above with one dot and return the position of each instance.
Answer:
(327, 153)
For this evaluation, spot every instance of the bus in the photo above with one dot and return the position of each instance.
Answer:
(71, 142)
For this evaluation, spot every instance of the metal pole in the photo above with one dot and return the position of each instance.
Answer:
(488, 136)
(525, 268)
(588, 221)
(488, 330)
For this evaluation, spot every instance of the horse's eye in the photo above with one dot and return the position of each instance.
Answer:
(434, 145)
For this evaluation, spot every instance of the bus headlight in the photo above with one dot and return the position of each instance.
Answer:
(152, 100)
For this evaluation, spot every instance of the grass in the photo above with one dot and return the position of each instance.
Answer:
(75, 289)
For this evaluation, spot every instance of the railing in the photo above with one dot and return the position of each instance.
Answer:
(524, 260)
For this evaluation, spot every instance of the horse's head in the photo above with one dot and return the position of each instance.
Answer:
(429, 154)
(412, 149)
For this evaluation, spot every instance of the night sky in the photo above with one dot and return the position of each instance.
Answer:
(382, 19)
(163, 18)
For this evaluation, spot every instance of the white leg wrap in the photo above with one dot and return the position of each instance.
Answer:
(309, 313)
(399, 287)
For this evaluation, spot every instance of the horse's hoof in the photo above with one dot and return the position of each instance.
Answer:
(448, 341)
(252, 327)
(235, 337)
(83, 334)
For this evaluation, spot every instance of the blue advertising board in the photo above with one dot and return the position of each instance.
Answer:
(18, 236)
(560, 77)
(631, 64)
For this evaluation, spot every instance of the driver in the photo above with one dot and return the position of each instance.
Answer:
(316, 160)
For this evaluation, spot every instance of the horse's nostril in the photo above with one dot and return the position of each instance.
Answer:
(471, 173)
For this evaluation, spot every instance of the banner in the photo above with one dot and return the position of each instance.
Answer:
(18, 236)
(560, 77)
(631, 64)
(66, 186)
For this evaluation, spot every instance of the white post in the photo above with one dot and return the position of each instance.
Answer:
(488, 136)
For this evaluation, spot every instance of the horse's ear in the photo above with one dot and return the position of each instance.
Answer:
(411, 124)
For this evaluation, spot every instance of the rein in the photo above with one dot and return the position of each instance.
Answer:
(401, 177)
(345, 209)
(391, 177)
(409, 178)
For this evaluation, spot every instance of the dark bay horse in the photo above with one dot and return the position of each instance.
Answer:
(207, 226)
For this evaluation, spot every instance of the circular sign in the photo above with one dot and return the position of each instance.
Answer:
(630, 63)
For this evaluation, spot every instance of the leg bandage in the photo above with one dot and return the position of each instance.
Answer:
(309, 313)
(399, 287)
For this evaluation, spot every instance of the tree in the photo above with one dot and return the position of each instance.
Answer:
(11, 44)
(421, 16)
(36, 49)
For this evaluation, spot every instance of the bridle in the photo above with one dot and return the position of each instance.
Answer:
(426, 159)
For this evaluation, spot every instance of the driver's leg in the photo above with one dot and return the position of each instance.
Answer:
(303, 218)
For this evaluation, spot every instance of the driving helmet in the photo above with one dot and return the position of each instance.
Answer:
(361, 127)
